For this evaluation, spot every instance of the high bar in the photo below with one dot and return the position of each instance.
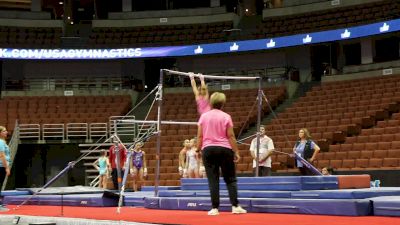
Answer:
(212, 76)
(155, 122)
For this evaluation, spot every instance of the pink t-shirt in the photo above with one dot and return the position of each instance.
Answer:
(215, 124)
(202, 105)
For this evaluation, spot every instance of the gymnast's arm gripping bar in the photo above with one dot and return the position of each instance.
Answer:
(212, 76)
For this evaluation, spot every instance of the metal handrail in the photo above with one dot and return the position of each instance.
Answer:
(53, 131)
(77, 130)
(98, 130)
(29, 131)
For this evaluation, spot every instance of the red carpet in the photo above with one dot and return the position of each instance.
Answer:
(196, 217)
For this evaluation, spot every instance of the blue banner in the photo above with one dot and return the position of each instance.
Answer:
(205, 49)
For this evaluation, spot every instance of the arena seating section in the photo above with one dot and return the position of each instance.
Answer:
(270, 27)
(327, 19)
(182, 107)
(27, 37)
(61, 109)
(159, 35)
(354, 122)
(186, 34)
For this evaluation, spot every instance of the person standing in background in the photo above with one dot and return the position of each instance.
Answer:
(103, 166)
(264, 153)
(114, 149)
(307, 149)
(5, 159)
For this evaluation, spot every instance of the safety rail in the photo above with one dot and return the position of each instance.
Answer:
(63, 132)
(122, 129)
(77, 130)
(29, 131)
(98, 130)
(55, 131)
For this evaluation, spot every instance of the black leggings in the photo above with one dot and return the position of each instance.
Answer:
(114, 174)
(215, 157)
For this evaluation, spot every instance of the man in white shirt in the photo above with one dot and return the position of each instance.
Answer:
(264, 153)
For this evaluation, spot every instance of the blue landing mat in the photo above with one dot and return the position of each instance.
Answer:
(312, 194)
(95, 200)
(361, 193)
(248, 183)
(340, 207)
(152, 188)
(344, 207)
(224, 193)
(386, 206)
(319, 182)
(136, 198)
(65, 190)
(14, 192)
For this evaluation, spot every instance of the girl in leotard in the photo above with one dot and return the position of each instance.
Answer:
(192, 160)
(103, 166)
(138, 166)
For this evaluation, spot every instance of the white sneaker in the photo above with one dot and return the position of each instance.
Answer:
(3, 209)
(238, 210)
(213, 212)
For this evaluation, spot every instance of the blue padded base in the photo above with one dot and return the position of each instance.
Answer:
(224, 193)
(361, 193)
(152, 188)
(386, 206)
(136, 198)
(311, 194)
(94, 200)
(345, 207)
(248, 183)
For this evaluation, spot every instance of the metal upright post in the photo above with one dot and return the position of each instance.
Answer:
(159, 101)
(259, 103)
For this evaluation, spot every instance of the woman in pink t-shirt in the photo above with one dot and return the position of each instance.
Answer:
(217, 141)
(200, 94)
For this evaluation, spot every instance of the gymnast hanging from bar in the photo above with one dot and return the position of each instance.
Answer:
(201, 94)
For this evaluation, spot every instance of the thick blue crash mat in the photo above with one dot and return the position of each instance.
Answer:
(319, 183)
(64, 190)
(361, 193)
(190, 203)
(288, 183)
(96, 200)
(152, 188)
(224, 193)
(344, 207)
(136, 198)
(386, 206)
(14, 192)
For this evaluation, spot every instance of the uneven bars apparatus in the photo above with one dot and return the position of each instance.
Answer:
(259, 98)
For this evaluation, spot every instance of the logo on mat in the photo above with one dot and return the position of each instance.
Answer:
(191, 204)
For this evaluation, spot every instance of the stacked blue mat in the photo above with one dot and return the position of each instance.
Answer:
(298, 195)
(67, 196)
